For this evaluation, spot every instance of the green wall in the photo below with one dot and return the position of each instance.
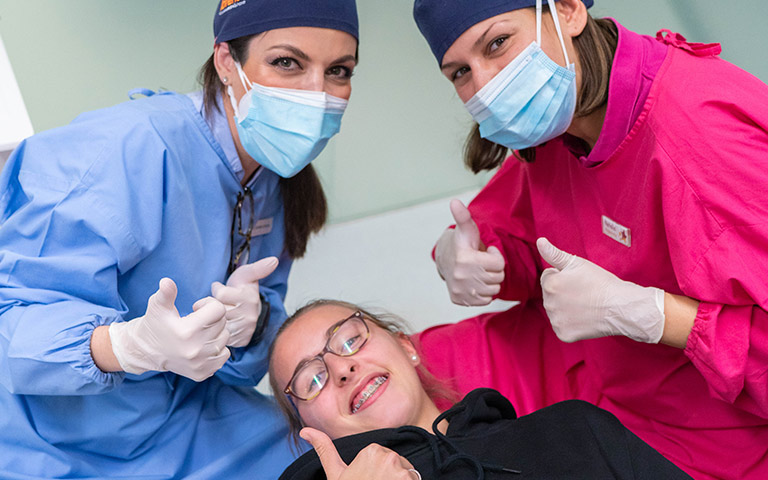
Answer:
(402, 135)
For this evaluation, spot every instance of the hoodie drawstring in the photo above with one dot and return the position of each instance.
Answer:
(456, 455)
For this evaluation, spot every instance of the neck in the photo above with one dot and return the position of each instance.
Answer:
(248, 163)
(429, 413)
(588, 127)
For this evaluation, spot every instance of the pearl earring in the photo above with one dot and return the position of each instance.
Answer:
(225, 80)
(414, 358)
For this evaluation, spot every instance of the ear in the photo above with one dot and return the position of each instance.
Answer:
(573, 16)
(224, 63)
(410, 350)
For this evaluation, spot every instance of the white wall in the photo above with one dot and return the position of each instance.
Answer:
(14, 120)
(383, 262)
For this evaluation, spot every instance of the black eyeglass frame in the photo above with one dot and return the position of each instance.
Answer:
(237, 227)
(358, 315)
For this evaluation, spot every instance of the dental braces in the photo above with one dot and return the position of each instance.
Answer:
(368, 392)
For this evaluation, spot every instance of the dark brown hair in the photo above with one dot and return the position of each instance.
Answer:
(391, 323)
(595, 46)
(304, 205)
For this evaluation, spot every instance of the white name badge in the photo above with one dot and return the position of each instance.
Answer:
(262, 227)
(616, 231)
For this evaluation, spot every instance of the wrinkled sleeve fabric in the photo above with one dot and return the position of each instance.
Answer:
(718, 238)
(729, 342)
(64, 235)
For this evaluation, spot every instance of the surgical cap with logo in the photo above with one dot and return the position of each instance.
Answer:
(239, 18)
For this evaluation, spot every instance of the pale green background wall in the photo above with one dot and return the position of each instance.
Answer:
(402, 136)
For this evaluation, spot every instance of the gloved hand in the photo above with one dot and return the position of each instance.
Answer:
(585, 301)
(374, 462)
(472, 273)
(241, 298)
(193, 346)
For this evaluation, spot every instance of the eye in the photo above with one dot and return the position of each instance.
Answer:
(497, 43)
(285, 63)
(459, 73)
(351, 344)
(340, 71)
(316, 382)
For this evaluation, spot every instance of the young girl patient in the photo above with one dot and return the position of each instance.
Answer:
(352, 384)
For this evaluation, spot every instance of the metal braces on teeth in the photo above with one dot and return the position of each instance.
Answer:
(368, 392)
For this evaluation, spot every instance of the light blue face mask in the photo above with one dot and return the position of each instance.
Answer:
(285, 129)
(529, 101)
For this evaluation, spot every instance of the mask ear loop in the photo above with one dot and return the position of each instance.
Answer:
(538, 22)
(555, 18)
(246, 85)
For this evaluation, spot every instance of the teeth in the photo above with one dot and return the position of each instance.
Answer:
(368, 392)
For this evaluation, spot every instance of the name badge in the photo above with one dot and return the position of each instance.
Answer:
(262, 227)
(616, 231)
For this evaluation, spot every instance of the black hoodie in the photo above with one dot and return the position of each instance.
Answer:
(485, 439)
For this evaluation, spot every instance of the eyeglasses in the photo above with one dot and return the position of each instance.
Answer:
(241, 255)
(346, 339)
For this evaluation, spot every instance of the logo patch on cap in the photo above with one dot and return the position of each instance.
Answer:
(227, 5)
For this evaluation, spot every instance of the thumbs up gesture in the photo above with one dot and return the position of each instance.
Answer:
(472, 272)
(584, 301)
(241, 299)
(374, 462)
(161, 340)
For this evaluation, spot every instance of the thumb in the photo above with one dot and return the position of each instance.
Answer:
(165, 296)
(252, 272)
(202, 302)
(333, 465)
(468, 234)
(495, 252)
(208, 312)
(553, 255)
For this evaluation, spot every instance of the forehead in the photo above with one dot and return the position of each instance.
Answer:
(305, 337)
(306, 38)
(468, 40)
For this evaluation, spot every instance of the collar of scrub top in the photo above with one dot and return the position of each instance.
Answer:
(218, 124)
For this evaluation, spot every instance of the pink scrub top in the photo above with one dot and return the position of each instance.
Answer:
(678, 180)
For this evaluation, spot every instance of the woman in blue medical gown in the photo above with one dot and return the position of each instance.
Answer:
(128, 347)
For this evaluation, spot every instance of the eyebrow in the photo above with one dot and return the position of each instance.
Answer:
(478, 43)
(299, 53)
(328, 334)
(291, 49)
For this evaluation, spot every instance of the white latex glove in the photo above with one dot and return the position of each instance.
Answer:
(472, 273)
(586, 301)
(374, 462)
(193, 346)
(241, 298)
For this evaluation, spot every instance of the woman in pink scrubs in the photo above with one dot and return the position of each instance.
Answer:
(631, 222)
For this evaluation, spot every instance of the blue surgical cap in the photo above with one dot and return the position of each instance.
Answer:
(238, 18)
(443, 21)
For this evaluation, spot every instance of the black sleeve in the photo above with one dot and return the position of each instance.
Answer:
(262, 322)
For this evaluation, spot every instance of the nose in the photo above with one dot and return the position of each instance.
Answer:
(341, 370)
(314, 80)
(481, 75)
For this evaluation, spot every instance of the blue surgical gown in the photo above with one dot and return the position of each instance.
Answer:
(92, 216)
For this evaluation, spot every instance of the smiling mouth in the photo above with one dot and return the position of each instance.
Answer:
(370, 390)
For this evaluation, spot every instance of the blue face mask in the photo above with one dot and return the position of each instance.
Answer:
(531, 100)
(285, 129)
